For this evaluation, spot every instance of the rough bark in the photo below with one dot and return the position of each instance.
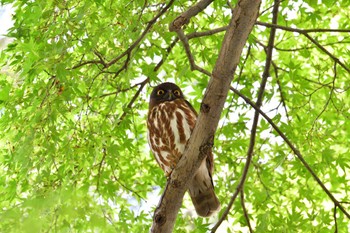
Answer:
(243, 18)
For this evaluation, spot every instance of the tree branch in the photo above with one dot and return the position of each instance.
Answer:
(332, 88)
(177, 25)
(128, 51)
(280, 89)
(144, 33)
(206, 33)
(202, 136)
(141, 84)
(121, 90)
(130, 104)
(295, 150)
(301, 31)
(305, 33)
(185, 17)
(335, 219)
(250, 151)
(245, 212)
(276, 68)
(190, 57)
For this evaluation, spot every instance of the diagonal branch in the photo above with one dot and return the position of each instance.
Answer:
(128, 51)
(305, 33)
(144, 33)
(301, 30)
(250, 151)
(185, 17)
(295, 150)
(245, 212)
(134, 98)
(331, 93)
(177, 25)
(202, 137)
(190, 57)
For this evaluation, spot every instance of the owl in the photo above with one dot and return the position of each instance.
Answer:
(170, 122)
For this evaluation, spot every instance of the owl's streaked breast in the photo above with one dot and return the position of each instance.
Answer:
(169, 127)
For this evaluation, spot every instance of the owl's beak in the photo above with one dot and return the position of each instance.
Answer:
(170, 95)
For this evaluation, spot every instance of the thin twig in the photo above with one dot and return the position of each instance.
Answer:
(168, 50)
(121, 90)
(301, 30)
(280, 90)
(100, 167)
(144, 33)
(243, 64)
(131, 47)
(245, 212)
(329, 98)
(335, 219)
(130, 104)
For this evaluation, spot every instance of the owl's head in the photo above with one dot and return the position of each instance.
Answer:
(164, 92)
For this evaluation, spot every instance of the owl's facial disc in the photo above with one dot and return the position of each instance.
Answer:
(163, 93)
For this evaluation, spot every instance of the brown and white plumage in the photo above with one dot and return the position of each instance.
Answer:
(170, 122)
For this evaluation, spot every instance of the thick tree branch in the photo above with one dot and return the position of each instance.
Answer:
(202, 136)
(185, 17)
(295, 150)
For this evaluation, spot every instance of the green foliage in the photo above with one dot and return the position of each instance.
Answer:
(73, 105)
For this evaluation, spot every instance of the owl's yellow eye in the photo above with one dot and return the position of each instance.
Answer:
(177, 92)
(160, 92)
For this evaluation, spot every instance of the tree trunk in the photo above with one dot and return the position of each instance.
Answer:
(243, 18)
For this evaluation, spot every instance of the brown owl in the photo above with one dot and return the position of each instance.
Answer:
(170, 122)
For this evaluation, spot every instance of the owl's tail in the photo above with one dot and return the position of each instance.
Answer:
(202, 193)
